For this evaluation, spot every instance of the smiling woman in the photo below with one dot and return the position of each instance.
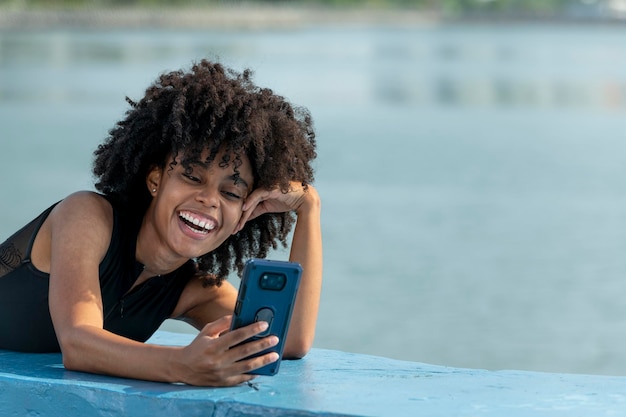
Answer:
(205, 171)
(199, 206)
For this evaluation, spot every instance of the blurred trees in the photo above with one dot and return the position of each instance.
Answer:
(449, 7)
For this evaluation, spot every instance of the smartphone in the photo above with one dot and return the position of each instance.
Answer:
(267, 292)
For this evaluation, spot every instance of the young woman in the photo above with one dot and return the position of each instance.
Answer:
(206, 171)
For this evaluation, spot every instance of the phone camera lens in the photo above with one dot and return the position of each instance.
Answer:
(272, 281)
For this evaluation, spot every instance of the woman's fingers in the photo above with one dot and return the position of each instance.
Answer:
(217, 327)
(218, 357)
(249, 207)
(243, 355)
(244, 345)
(262, 201)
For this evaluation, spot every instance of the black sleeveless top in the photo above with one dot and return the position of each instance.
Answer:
(25, 323)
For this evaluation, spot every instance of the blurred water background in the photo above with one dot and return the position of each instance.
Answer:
(473, 175)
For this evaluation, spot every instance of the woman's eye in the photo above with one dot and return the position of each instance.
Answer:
(191, 178)
(231, 195)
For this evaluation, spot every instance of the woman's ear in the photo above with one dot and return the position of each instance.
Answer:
(153, 180)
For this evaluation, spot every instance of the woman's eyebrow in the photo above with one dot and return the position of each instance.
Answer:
(199, 163)
(238, 180)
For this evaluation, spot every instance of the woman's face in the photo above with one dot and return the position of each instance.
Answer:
(195, 210)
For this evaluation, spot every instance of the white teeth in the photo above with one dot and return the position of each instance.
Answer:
(197, 222)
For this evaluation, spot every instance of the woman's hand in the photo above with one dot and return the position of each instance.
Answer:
(262, 201)
(216, 357)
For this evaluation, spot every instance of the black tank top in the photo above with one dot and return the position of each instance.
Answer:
(25, 323)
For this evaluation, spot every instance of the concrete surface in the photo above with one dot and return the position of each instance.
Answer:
(325, 383)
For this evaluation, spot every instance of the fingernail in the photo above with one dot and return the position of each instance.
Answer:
(264, 325)
(273, 356)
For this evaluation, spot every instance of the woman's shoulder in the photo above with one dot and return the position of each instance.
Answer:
(82, 222)
(87, 207)
(86, 200)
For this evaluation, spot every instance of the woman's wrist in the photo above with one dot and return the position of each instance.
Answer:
(173, 369)
(311, 202)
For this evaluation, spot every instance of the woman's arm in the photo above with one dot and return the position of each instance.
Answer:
(79, 232)
(306, 248)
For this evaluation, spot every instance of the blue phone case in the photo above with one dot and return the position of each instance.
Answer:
(267, 292)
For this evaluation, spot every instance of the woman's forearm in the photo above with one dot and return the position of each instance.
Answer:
(214, 358)
(306, 248)
(94, 350)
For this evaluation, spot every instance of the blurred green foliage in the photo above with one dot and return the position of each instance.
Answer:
(450, 7)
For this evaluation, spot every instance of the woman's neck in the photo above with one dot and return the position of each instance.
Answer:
(153, 253)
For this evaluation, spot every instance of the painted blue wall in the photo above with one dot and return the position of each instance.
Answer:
(325, 383)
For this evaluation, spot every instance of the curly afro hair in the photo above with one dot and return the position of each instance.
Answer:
(210, 108)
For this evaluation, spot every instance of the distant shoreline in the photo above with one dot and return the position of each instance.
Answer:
(223, 17)
(252, 17)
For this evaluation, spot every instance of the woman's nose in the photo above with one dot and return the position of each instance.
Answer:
(209, 197)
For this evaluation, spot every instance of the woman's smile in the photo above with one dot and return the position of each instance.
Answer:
(196, 225)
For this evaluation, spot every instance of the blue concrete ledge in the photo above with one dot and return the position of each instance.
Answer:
(325, 383)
